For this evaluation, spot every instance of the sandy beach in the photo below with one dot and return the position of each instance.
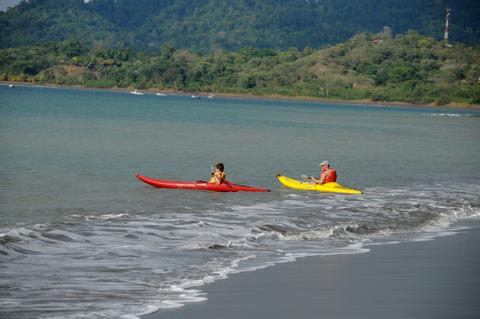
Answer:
(424, 279)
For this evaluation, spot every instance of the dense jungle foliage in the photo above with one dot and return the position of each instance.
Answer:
(208, 25)
(381, 67)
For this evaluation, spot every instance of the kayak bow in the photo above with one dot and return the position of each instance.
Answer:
(327, 187)
(200, 185)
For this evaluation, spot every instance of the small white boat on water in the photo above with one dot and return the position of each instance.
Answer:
(195, 96)
(11, 86)
(161, 94)
(136, 92)
(211, 97)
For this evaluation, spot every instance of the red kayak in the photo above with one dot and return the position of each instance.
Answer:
(200, 185)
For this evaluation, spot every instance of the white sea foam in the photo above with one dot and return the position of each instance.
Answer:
(453, 114)
(445, 114)
(306, 235)
(185, 291)
(107, 216)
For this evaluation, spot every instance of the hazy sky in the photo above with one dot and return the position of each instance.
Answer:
(4, 4)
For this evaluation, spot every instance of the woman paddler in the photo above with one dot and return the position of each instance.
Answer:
(218, 176)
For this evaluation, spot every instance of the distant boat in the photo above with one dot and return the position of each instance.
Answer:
(211, 96)
(161, 94)
(195, 96)
(11, 86)
(136, 92)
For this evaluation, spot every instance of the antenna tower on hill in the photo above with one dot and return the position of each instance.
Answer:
(445, 36)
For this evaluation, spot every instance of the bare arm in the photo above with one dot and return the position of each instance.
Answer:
(322, 177)
(320, 180)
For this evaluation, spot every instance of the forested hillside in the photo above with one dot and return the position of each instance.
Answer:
(381, 67)
(207, 25)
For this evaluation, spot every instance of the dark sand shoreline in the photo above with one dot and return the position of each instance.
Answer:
(423, 279)
(257, 97)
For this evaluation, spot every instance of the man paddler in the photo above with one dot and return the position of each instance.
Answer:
(327, 174)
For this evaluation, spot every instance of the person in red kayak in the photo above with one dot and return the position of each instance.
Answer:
(327, 175)
(218, 176)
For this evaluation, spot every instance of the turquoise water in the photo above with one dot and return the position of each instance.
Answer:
(73, 213)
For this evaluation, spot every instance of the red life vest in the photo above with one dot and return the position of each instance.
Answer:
(331, 177)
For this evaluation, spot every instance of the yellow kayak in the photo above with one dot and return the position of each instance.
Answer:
(327, 187)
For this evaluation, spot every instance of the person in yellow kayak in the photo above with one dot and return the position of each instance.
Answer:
(218, 176)
(327, 174)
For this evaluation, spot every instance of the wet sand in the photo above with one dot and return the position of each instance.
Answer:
(424, 279)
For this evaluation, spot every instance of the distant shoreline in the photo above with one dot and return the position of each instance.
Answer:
(252, 96)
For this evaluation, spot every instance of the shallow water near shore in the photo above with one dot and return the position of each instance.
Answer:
(80, 237)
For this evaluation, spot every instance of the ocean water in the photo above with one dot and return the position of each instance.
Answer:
(80, 237)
